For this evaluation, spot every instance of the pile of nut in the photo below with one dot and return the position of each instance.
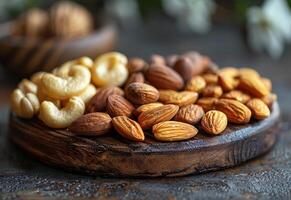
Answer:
(167, 96)
(65, 20)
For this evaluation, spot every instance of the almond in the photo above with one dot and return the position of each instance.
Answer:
(92, 124)
(163, 77)
(247, 72)
(118, 106)
(259, 109)
(212, 91)
(229, 71)
(157, 59)
(128, 128)
(214, 122)
(136, 65)
(151, 117)
(135, 77)
(141, 93)
(226, 82)
(253, 85)
(207, 103)
(146, 107)
(173, 131)
(196, 84)
(200, 63)
(98, 102)
(211, 79)
(235, 111)
(179, 98)
(269, 99)
(268, 83)
(171, 60)
(190, 114)
(184, 67)
(237, 95)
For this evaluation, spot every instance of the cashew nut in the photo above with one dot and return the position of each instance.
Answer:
(24, 105)
(110, 70)
(65, 87)
(27, 86)
(54, 117)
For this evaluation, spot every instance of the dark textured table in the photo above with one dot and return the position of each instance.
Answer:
(268, 177)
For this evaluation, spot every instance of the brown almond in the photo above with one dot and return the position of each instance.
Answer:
(207, 103)
(135, 77)
(259, 109)
(184, 67)
(214, 122)
(119, 106)
(269, 99)
(141, 93)
(146, 107)
(128, 128)
(226, 82)
(235, 111)
(268, 83)
(190, 114)
(151, 117)
(196, 84)
(163, 77)
(92, 124)
(237, 95)
(210, 79)
(247, 72)
(212, 91)
(171, 60)
(136, 65)
(253, 85)
(157, 59)
(200, 63)
(229, 71)
(98, 102)
(179, 98)
(170, 131)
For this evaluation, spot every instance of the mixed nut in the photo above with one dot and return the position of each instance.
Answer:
(165, 96)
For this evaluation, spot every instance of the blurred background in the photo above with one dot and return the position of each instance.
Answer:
(240, 33)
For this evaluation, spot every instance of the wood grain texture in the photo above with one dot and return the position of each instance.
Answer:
(112, 155)
(24, 56)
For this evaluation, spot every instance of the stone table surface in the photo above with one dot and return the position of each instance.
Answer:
(268, 177)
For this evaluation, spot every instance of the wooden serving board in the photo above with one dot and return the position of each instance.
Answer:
(111, 155)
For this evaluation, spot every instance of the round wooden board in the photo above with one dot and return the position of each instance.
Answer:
(112, 155)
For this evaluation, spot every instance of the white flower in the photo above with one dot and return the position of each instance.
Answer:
(269, 27)
(125, 11)
(191, 14)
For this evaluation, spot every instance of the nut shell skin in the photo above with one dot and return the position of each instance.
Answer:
(214, 122)
(235, 111)
(259, 109)
(163, 113)
(92, 124)
(183, 98)
(163, 77)
(98, 101)
(128, 128)
(190, 114)
(170, 131)
(119, 106)
(141, 93)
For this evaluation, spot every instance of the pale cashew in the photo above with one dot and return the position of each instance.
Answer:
(54, 117)
(42, 96)
(27, 86)
(110, 70)
(24, 105)
(65, 87)
(64, 69)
